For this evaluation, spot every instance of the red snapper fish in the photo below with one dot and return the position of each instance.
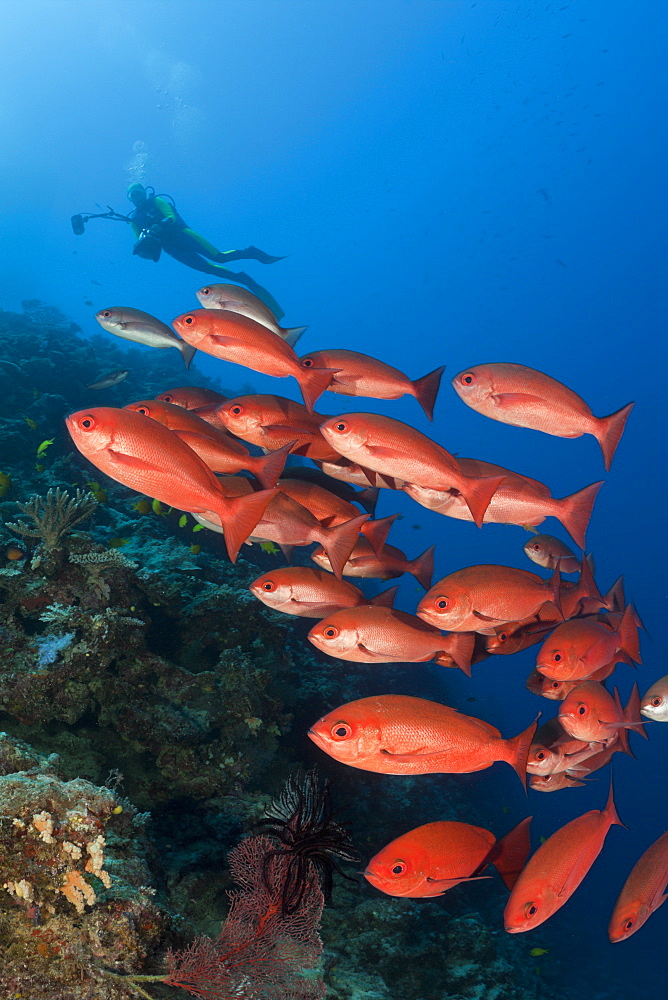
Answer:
(191, 397)
(365, 563)
(395, 449)
(578, 648)
(271, 422)
(557, 868)
(235, 299)
(524, 397)
(398, 734)
(435, 857)
(590, 713)
(236, 338)
(384, 635)
(643, 892)
(478, 598)
(151, 459)
(360, 375)
(518, 500)
(312, 593)
(216, 448)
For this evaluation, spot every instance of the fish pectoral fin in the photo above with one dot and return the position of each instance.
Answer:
(507, 399)
(487, 618)
(369, 652)
(448, 883)
(419, 754)
(292, 428)
(192, 438)
(129, 461)
(220, 340)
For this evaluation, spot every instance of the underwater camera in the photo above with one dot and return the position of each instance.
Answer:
(147, 246)
(78, 225)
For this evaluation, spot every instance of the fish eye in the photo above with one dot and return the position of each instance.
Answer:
(167, 398)
(442, 603)
(540, 755)
(537, 547)
(269, 585)
(556, 657)
(468, 378)
(330, 632)
(143, 409)
(530, 909)
(582, 709)
(629, 924)
(341, 731)
(341, 426)
(398, 868)
(106, 314)
(236, 410)
(503, 636)
(656, 701)
(87, 423)
(555, 684)
(307, 363)
(189, 320)
(206, 291)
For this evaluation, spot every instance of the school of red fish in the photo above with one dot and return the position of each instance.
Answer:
(187, 448)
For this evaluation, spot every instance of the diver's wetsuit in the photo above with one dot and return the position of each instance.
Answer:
(177, 239)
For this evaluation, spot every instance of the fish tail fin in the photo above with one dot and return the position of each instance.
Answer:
(510, 853)
(340, 541)
(267, 468)
(587, 584)
(376, 532)
(313, 382)
(425, 390)
(610, 812)
(628, 634)
(458, 646)
(422, 567)
(631, 715)
(614, 598)
(187, 353)
(385, 599)
(239, 515)
(292, 334)
(609, 431)
(518, 752)
(478, 492)
(575, 512)
(368, 499)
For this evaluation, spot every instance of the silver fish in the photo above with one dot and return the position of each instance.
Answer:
(113, 378)
(241, 301)
(654, 704)
(142, 328)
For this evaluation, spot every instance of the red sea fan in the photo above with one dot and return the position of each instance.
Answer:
(262, 952)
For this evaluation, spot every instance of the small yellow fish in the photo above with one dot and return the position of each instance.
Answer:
(195, 549)
(5, 483)
(535, 952)
(44, 445)
(32, 424)
(198, 527)
(40, 468)
(270, 548)
(157, 508)
(118, 543)
(97, 491)
(183, 520)
(143, 506)
(542, 839)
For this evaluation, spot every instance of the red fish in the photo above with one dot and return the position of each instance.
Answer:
(643, 892)
(149, 458)
(361, 375)
(331, 510)
(435, 857)
(547, 688)
(551, 553)
(191, 397)
(590, 713)
(288, 524)
(557, 868)
(366, 498)
(216, 448)
(236, 338)
(480, 597)
(271, 422)
(397, 734)
(518, 500)
(384, 635)
(553, 782)
(350, 472)
(363, 562)
(524, 397)
(516, 636)
(553, 751)
(578, 648)
(397, 450)
(311, 593)
(239, 300)
(581, 597)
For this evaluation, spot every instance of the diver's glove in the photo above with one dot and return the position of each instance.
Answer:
(156, 231)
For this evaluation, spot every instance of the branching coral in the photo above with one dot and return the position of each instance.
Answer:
(52, 516)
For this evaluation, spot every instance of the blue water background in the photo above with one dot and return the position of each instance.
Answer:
(455, 182)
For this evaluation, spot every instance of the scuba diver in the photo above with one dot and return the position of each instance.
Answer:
(158, 226)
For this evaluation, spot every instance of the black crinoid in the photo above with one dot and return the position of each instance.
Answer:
(311, 841)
